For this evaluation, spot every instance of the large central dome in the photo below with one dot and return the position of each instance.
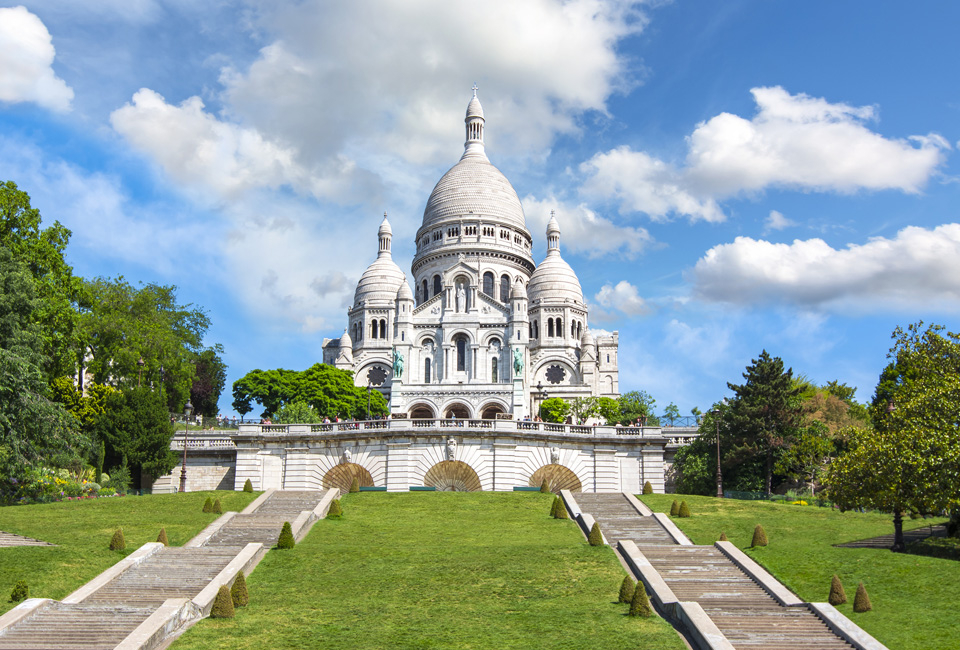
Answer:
(474, 188)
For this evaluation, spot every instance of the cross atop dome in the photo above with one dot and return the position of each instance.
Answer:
(475, 89)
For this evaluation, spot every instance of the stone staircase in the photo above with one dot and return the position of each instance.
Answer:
(742, 610)
(10, 539)
(108, 615)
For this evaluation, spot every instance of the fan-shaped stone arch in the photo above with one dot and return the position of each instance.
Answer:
(422, 411)
(452, 476)
(558, 478)
(341, 476)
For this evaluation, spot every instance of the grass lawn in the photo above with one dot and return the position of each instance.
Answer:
(82, 532)
(437, 570)
(915, 604)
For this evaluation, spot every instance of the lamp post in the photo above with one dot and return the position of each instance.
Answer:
(187, 409)
(139, 371)
(542, 394)
(716, 416)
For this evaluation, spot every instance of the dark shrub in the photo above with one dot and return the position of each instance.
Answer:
(286, 536)
(553, 507)
(640, 605)
(217, 508)
(647, 488)
(335, 511)
(674, 508)
(223, 604)
(238, 592)
(723, 537)
(162, 537)
(544, 487)
(596, 537)
(837, 595)
(355, 485)
(759, 536)
(561, 509)
(117, 542)
(208, 505)
(248, 486)
(20, 592)
(861, 601)
(684, 510)
(626, 590)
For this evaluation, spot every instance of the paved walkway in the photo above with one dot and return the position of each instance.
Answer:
(9, 539)
(746, 613)
(102, 619)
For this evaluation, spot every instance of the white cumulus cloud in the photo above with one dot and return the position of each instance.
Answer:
(583, 231)
(794, 141)
(622, 297)
(26, 60)
(916, 268)
(776, 221)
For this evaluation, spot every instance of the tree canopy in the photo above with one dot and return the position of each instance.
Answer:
(909, 462)
(210, 379)
(329, 390)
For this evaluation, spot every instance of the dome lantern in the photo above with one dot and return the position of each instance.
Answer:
(473, 147)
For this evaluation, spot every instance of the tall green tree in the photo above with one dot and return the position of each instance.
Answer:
(909, 462)
(327, 389)
(582, 408)
(764, 413)
(120, 324)
(637, 405)
(554, 409)
(33, 429)
(609, 409)
(40, 252)
(211, 377)
(135, 427)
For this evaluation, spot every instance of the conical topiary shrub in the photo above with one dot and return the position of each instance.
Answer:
(117, 542)
(162, 537)
(20, 592)
(238, 592)
(286, 539)
(684, 510)
(759, 536)
(674, 508)
(627, 588)
(647, 488)
(544, 487)
(553, 507)
(208, 505)
(837, 595)
(335, 511)
(223, 604)
(355, 485)
(861, 601)
(561, 510)
(723, 537)
(596, 537)
(640, 605)
(248, 486)
(217, 508)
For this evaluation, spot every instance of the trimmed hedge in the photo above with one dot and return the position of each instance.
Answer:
(596, 537)
(162, 537)
(837, 595)
(217, 508)
(223, 604)
(640, 605)
(20, 592)
(627, 587)
(117, 542)
(947, 548)
(544, 487)
(208, 505)
(248, 486)
(334, 511)
(647, 488)
(674, 508)
(861, 602)
(238, 592)
(286, 539)
(759, 536)
(355, 485)
(684, 510)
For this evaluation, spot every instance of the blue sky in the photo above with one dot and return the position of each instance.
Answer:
(729, 177)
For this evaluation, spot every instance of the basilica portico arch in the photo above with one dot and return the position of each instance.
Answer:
(341, 476)
(491, 410)
(557, 477)
(422, 411)
(457, 410)
(452, 476)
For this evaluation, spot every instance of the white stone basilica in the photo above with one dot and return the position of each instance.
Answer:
(487, 332)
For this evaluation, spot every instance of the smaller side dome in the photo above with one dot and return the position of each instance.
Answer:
(404, 292)
(382, 279)
(587, 339)
(517, 291)
(345, 340)
(554, 281)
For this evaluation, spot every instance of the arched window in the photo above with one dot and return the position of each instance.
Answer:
(559, 327)
(488, 283)
(579, 331)
(373, 329)
(383, 329)
(549, 327)
(504, 288)
(436, 285)
(426, 293)
(531, 329)
(536, 329)
(573, 328)
(461, 353)
(426, 370)
(493, 371)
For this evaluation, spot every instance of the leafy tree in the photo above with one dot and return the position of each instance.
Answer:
(609, 409)
(671, 414)
(297, 413)
(764, 413)
(582, 408)
(328, 390)
(40, 252)
(554, 410)
(135, 427)
(910, 461)
(637, 405)
(807, 458)
(33, 429)
(211, 377)
(120, 324)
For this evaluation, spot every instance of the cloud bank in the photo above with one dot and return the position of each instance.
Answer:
(26, 60)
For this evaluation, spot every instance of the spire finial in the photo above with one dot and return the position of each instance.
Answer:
(475, 89)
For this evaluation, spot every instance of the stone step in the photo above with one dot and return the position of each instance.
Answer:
(10, 539)
(619, 520)
(74, 627)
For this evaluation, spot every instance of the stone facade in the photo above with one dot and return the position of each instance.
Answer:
(484, 325)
